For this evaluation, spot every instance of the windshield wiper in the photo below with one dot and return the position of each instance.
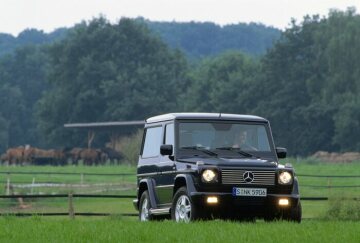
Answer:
(238, 150)
(202, 149)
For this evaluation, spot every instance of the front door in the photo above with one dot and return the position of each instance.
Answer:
(165, 185)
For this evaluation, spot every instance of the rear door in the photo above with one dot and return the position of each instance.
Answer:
(150, 153)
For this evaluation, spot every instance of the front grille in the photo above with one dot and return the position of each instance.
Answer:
(261, 177)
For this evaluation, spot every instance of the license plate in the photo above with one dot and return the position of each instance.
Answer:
(249, 192)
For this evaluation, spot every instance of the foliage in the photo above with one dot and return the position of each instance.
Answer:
(311, 85)
(341, 209)
(222, 79)
(9, 43)
(199, 40)
(104, 72)
(130, 147)
(307, 85)
(22, 82)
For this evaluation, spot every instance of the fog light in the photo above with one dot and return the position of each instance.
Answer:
(283, 202)
(212, 200)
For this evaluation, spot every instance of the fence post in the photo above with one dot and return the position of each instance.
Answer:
(71, 206)
(8, 186)
(329, 186)
(32, 186)
(81, 178)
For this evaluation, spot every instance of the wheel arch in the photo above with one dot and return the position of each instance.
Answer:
(147, 184)
(295, 189)
(184, 180)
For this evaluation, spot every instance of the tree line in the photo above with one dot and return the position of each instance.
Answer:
(307, 84)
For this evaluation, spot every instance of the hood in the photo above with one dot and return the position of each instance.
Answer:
(230, 162)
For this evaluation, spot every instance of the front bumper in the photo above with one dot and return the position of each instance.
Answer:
(228, 201)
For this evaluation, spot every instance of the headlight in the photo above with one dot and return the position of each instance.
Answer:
(285, 178)
(209, 176)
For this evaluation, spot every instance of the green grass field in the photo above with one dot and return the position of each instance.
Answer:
(126, 185)
(128, 229)
(39, 229)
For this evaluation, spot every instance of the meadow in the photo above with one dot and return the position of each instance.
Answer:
(38, 229)
(317, 226)
(125, 185)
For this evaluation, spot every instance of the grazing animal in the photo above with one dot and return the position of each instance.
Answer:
(15, 155)
(74, 154)
(90, 156)
(42, 156)
(4, 158)
(112, 154)
(28, 154)
(58, 156)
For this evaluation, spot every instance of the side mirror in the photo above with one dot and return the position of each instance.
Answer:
(281, 152)
(166, 149)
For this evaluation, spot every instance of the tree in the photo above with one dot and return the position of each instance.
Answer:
(22, 81)
(221, 84)
(310, 84)
(103, 72)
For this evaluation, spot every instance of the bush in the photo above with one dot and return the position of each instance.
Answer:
(343, 209)
(130, 147)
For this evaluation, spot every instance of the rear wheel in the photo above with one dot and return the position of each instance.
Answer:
(144, 207)
(183, 209)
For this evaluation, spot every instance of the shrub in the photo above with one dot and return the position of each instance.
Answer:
(130, 147)
(343, 209)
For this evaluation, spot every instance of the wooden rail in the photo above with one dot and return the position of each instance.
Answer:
(71, 211)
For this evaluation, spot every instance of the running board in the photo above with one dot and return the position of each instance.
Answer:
(159, 211)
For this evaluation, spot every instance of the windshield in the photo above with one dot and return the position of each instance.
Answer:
(224, 137)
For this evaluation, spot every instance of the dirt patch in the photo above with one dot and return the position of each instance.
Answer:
(337, 157)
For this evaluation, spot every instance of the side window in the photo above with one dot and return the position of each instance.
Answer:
(169, 134)
(152, 142)
(263, 139)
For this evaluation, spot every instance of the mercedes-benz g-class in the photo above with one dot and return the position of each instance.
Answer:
(210, 165)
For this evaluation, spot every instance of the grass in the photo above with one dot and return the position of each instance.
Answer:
(336, 227)
(107, 229)
(120, 185)
(311, 209)
(311, 167)
(308, 166)
(69, 179)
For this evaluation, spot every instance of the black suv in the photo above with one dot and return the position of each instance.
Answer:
(210, 165)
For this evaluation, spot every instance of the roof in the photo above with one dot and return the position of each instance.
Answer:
(207, 116)
(104, 124)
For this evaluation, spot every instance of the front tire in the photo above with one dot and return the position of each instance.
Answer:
(294, 214)
(183, 209)
(144, 207)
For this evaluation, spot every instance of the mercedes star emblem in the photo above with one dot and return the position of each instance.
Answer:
(248, 177)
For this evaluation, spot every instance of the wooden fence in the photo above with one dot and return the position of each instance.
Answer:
(72, 213)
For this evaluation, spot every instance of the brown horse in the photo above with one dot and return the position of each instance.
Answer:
(90, 156)
(28, 154)
(74, 154)
(4, 158)
(15, 155)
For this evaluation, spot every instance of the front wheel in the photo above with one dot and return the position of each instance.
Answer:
(182, 209)
(144, 206)
(294, 214)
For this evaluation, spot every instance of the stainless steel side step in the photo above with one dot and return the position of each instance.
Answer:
(160, 211)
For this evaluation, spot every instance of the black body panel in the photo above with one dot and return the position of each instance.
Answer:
(162, 175)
